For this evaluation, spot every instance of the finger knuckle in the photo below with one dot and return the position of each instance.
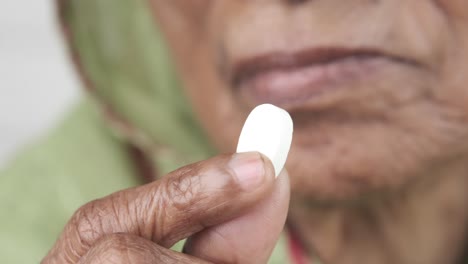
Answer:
(175, 201)
(183, 190)
(87, 222)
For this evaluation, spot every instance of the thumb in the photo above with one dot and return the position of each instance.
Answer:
(249, 238)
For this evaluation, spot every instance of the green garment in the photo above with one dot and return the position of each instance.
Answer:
(126, 66)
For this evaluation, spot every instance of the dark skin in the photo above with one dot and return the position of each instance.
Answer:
(377, 91)
(230, 206)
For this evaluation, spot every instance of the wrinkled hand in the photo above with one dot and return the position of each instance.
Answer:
(230, 208)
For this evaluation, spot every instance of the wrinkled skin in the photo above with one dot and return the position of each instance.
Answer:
(229, 218)
(379, 162)
(365, 135)
(375, 154)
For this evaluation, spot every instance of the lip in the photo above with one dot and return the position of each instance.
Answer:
(292, 79)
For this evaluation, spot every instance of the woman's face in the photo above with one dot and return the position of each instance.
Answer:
(378, 90)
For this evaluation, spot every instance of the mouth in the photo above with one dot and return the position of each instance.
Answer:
(292, 79)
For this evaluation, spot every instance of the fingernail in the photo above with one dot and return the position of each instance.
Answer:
(249, 169)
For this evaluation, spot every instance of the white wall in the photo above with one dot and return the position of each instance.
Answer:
(37, 82)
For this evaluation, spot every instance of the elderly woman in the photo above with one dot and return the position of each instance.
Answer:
(378, 169)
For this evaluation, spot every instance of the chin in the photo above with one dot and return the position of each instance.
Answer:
(358, 152)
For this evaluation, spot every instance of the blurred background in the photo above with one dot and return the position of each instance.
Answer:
(37, 82)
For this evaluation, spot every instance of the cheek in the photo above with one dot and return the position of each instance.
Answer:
(455, 90)
(212, 99)
(454, 71)
(187, 26)
(215, 108)
(194, 11)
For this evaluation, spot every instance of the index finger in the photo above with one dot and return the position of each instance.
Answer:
(181, 204)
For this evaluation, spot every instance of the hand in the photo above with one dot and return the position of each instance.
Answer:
(230, 208)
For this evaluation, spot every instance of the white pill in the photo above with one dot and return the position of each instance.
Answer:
(268, 130)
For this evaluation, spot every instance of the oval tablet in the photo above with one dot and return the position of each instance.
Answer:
(268, 130)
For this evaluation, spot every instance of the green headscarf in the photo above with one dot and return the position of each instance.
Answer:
(126, 66)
